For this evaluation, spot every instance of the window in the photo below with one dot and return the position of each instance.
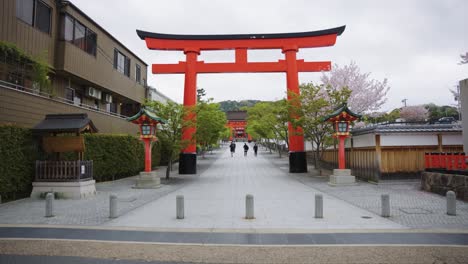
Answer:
(25, 10)
(78, 34)
(42, 17)
(121, 63)
(34, 13)
(91, 42)
(137, 73)
(67, 28)
(96, 103)
(111, 108)
(77, 99)
(69, 94)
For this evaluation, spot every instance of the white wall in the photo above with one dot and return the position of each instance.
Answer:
(367, 140)
(408, 140)
(464, 110)
(452, 139)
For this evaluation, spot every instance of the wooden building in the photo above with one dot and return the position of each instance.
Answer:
(92, 71)
(394, 150)
(237, 122)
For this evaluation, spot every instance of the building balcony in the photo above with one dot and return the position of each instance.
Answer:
(26, 107)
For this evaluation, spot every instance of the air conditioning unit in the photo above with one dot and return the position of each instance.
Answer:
(108, 98)
(93, 92)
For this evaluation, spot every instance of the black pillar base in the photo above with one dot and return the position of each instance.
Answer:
(297, 162)
(188, 163)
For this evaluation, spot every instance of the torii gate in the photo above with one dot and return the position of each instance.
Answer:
(192, 45)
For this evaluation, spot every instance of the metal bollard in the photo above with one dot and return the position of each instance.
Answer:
(451, 203)
(318, 206)
(113, 206)
(180, 206)
(385, 205)
(0, 199)
(49, 210)
(249, 206)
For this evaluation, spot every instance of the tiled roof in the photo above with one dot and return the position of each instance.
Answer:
(406, 128)
(64, 123)
(147, 112)
(236, 115)
(339, 110)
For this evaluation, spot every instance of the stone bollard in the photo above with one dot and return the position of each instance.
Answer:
(249, 206)
(318, 206)
(385, 205)
(451, 203)
(49, 210)
(113, 206)
(180, 206)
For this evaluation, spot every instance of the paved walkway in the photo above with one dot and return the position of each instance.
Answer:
(216, 200)
(95, 211)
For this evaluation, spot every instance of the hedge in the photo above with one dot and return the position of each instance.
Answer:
(114, 157)
(18, 154)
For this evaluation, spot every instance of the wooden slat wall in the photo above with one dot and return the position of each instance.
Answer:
(396, 162)
(28, 110)
(409, 159)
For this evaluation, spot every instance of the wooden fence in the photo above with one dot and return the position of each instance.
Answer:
(374, 164)
(64, 171)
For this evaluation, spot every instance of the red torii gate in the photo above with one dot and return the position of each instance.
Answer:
(192, 45)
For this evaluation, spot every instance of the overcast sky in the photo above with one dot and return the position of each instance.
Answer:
(414, 44)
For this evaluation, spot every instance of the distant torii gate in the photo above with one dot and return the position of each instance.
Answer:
(289, 43)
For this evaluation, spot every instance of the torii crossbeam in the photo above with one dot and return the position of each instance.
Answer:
(192, 45)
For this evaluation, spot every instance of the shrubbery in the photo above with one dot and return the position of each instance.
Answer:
(18, 154)
(114, 157)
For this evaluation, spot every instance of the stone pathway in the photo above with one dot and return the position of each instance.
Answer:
(95, 211)
(216, 200)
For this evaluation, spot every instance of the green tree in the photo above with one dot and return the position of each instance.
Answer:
(318, 101)
(200, 94)
(170, 134)
(211, 125)
(269, 121)
(211, 122)
(436, 112)
(236, 105)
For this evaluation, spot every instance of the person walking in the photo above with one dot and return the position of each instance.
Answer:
(233, 148)
(246, 148)
(255, 147)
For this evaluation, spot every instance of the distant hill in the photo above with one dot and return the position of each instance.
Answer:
(236, 105)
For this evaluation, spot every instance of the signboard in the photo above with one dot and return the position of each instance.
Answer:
(63, 144)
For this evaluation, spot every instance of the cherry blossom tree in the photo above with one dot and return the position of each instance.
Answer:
(367, 94)
(414, 113)
(464, 58)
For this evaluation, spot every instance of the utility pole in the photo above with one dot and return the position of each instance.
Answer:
(404, 101)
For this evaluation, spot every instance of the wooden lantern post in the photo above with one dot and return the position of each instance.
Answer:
(341, 119)
(147, 121)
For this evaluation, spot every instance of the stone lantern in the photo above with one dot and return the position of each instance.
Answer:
(147, 121)
(341, 119)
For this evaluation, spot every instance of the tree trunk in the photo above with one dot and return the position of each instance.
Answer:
(279, 149)
(168, 169)
(169, 166)
(316, 158)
